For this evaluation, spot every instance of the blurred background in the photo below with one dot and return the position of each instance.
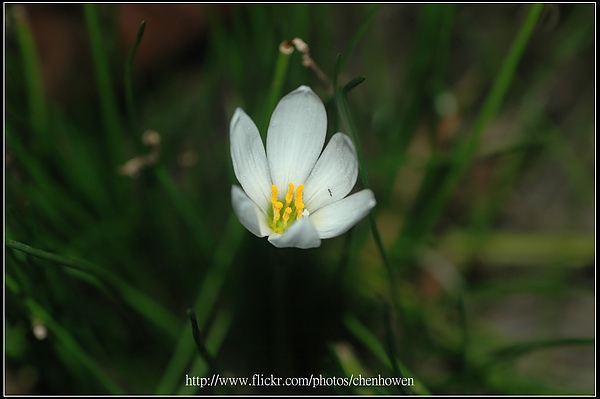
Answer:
(474, 274)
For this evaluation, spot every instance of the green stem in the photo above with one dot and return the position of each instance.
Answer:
(372, 343)
(33, 78)
(74, 348)
(209, 289)
(138, 300)
(210, 360)
(214, 339)
(128, 79)
(464, 154)
(275, 92)
(344, 113)
(502, 83)
(357, 37)
(63, 260)
(190, 214)
(108, 108)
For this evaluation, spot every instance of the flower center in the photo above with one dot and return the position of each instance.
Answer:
(281, 216)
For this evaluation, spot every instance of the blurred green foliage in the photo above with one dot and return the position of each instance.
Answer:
(474, 273)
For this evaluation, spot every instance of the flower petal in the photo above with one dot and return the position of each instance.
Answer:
(337, 218)
(334, 174)
(295, 137)
(301, 234)
(248, 213)
(249, 159)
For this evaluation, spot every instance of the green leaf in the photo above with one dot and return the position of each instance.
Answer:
(353, 83)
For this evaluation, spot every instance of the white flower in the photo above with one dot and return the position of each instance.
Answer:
(290, 193)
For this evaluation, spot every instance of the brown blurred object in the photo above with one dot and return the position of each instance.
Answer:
(171, 30)
(173, 34)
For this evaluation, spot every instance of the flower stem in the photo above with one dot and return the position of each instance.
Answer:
(342, 107)
(281, 67)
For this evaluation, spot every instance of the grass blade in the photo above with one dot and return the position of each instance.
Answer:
(360, 32)
(74, 348)
(33, 77)
(138, 300)
(129, 79)
(107, 97)
(435, 204)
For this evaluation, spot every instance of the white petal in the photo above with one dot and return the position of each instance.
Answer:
(295, 137)
(337, 218)
(249, 159)
(248, 213)
(301, 234)
(334, 174)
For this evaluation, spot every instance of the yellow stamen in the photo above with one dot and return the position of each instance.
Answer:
(290, 194)
(299, 204)
(282, 218)
(277, 205)
(276, 210)
(274, 193)
(286, 214)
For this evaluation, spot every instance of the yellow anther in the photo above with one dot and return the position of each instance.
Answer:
(290, 194)
(277, 205)
(298, 203)
(299, 210)
(299, 191)
(286, 214)
(294, 207)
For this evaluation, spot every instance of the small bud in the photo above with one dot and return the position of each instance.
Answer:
(301, 46)
(286, 47)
